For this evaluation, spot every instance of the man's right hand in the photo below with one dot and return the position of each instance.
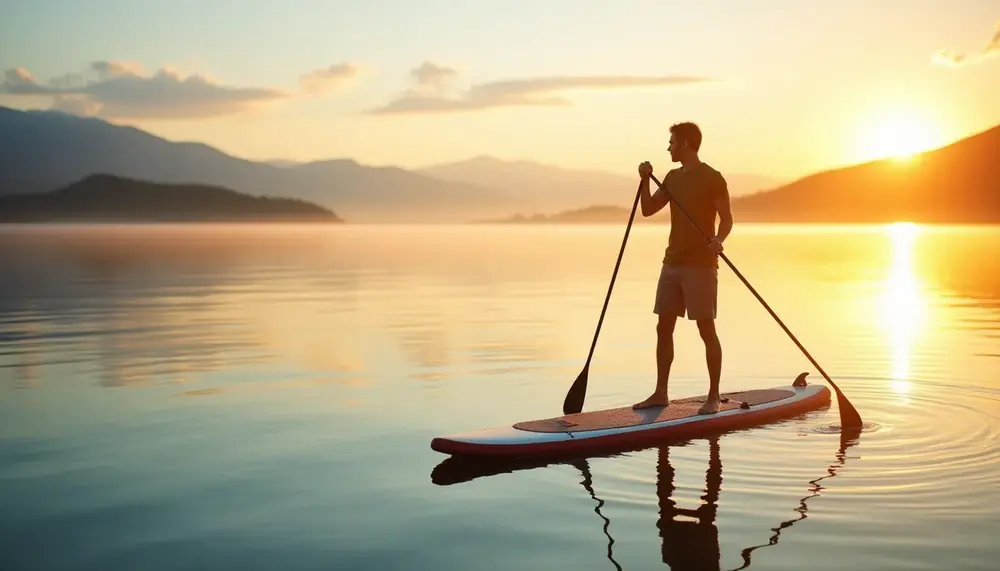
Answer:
(645, 170)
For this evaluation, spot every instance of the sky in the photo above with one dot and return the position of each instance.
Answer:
(781, 88)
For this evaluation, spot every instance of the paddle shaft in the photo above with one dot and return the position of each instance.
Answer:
(573, 403)
(614, 275)
(848, 417)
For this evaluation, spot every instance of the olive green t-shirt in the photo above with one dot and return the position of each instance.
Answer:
(696, 190)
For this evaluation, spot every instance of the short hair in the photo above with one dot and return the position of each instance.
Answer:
(688, 132)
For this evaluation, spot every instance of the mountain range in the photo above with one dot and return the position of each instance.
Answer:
(41, 151)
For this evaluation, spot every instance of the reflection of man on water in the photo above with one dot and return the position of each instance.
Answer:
(685, 544)
(688, 544)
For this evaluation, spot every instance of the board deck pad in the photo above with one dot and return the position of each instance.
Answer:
(626, 416)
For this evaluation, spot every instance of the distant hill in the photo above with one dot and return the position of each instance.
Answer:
(111, 198)
(536, 187)
(41, 151)
(282, 163)
(957, 183)
(598, 214)
(546, 188)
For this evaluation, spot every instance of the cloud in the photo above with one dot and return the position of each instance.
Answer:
(429, 95)
(121, 89)
(19, 81)
(75, 105)
(168, 94)
(124, 90)
(949, 58)
(431, 75)
(323, 80)
(108, 69)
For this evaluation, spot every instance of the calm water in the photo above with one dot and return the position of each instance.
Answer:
(254, 397)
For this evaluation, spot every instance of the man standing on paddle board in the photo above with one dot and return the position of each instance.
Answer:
(689, 278)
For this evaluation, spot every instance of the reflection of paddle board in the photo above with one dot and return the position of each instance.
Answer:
(624, 427)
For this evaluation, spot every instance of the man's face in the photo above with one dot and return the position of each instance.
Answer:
(675, 148)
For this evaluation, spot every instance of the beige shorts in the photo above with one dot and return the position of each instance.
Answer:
(694, 290)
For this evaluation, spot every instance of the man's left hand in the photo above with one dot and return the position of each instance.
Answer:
(715, 245)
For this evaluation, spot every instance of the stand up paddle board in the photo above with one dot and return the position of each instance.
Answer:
(624, 427)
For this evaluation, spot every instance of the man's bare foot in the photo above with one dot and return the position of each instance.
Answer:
(656, 399)
(711, 406)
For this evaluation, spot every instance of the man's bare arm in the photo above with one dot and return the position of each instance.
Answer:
(652, 204)
(722, 205)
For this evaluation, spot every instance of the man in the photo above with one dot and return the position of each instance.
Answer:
(689, 278)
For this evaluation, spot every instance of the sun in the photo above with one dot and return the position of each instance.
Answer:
(898, 134)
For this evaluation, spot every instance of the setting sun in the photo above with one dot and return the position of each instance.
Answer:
(898, 134)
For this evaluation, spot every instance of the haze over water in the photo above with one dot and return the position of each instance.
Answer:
(263, 397)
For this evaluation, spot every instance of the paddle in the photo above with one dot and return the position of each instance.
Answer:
(849, 416)
(573, 403)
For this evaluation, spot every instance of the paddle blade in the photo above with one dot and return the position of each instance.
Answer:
(573, 403)
(849, 416)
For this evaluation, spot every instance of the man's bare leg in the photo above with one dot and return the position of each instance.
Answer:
(713, 357)
(664, 358)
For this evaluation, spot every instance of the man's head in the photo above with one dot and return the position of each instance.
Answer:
(685, 140)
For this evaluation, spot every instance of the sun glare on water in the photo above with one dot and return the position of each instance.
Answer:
(903, 303)
(898, 134)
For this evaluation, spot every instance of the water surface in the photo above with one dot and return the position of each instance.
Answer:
(263, 397)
